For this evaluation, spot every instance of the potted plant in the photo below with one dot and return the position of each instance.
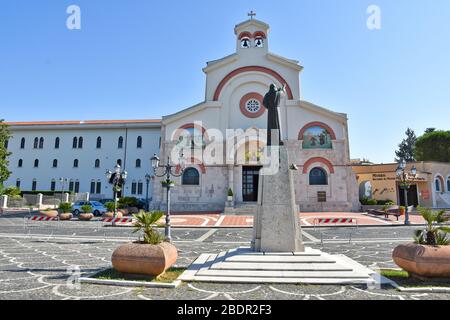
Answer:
(402, 210)
(87, 214)
(65, 211)
(170, 183)
(110, 206)
(51, 213)
(230, 195)
(429, 255)
(149, 256)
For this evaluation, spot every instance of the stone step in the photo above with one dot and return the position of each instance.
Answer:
(259, 280)
(305, 258)
(284, 274)
(280, 266)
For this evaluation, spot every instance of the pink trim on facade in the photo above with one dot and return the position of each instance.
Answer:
(318, 159)
(238, 71)
(314, 124)
(245, 34)
(259, 34)
(243, 102)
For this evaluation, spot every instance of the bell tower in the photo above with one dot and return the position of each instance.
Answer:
(252, 36)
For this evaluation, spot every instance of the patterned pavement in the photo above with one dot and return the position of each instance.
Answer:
(43, 267)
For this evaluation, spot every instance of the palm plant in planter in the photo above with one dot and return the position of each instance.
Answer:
(111, 206)
(148, 256)
(429, 255)
(65, 211)
(86, 214)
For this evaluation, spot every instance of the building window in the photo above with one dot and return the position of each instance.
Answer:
(191, 177)
(259, 42)
(438, 185)
(36, 163)
(139, 142)
(140, 188)
(75, 142)
(53, 185)
(57, 143)
(77, 186)
(71, 185)
(97, 163)
(245, 43)
(99, 142)
(34, 185)
(18, 183)
(133, 187)
(318, 177)
(20, 163)
(253, 106)
(80, 143)
(55, 163)
(120, 143)
(41, 143)
(138, 163)
(98, 189)
(22, 143)
(92, 187)
(36, 143)
(448, 184)
(119, 162)
(75, 163)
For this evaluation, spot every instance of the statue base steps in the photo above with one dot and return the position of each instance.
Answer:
(243, 265)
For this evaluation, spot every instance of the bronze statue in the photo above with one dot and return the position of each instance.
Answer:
(271, 103)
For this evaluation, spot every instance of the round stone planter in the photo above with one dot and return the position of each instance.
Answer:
(50, 214)
(423, 261)
(65, 216)
(111, 215)
(85, 216)
(146, 259)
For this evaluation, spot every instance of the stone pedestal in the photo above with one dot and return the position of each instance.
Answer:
(277, 227)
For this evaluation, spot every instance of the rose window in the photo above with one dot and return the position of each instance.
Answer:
(253, 106)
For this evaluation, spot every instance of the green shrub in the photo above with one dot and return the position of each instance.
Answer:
(12, 192)
(65, 207)
(86, 208)
(126, 202)
(110, 206)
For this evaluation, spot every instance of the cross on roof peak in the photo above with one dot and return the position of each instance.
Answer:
(251, 14)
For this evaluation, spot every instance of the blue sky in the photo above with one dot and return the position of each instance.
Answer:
(143, 59)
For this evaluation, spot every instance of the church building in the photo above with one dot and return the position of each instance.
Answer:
(230, 121)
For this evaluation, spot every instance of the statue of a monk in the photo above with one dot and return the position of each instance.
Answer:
(272, 103)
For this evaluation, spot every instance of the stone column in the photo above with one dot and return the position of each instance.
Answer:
(4, 202)
(230, 185)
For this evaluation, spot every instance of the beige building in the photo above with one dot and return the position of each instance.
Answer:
(431, 188)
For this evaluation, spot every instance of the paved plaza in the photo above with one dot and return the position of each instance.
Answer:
(37, 263)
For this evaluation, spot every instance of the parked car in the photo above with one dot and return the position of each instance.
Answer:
(97, 208)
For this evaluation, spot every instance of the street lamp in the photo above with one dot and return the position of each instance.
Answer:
(168, 184)
(147, 180)
(117, 180)
(406, 179)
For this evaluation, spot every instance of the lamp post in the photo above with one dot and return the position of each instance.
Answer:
(168, 184)
(117, 180)
(147, 181)
(63, 182)
(406, 178)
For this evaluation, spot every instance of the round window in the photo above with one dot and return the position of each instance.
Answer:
(253, 106)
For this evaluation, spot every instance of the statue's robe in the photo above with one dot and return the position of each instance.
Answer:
(271, 103)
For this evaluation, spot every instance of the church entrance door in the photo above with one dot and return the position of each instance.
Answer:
(250, 179)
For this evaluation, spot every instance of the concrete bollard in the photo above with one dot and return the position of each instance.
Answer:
(66, 197)
(39, 198)
(3, 202)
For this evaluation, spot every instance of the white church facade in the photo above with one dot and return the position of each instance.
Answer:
(232, 114)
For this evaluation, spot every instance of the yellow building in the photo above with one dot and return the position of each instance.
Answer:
(431, 188)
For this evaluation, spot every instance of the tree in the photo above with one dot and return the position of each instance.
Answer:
(429, 130)
(433, 146)
(406, 147)
(4, 138)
